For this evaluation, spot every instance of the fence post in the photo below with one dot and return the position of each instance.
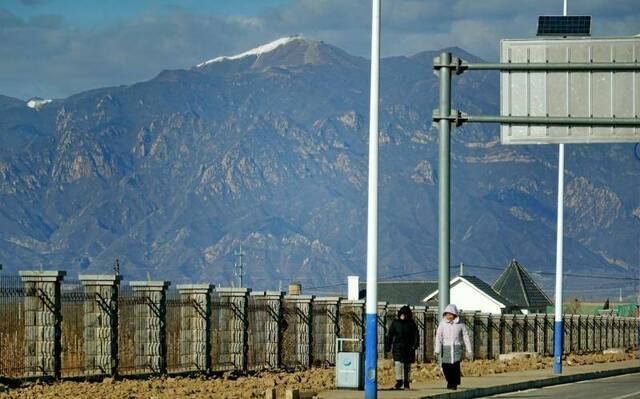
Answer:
(636, 331)
(42, 336)
(519, 333)
(419, 317)
(382, 327)
(582, 334)
(538, 325)
(151, 332)
(567, 335)
(548, 334)
(575, 334)
(301, 329)
(495, 340)
(100, 323)
(625, 335)
(597, 333)
(588, 332)
(507, 332)
(195, 326)
(430, 327)
(468, 318)
(233, 324)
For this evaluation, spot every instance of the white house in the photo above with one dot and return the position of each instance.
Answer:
(471, 294)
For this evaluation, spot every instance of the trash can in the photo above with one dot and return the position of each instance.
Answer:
(349, 370)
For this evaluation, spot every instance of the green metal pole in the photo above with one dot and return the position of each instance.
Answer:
(544, 66)
(444, 184)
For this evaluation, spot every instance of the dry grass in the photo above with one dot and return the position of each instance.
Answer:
(229, 386)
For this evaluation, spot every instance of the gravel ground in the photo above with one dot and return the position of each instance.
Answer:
(253, 386)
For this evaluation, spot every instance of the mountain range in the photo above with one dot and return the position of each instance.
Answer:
(268, 149)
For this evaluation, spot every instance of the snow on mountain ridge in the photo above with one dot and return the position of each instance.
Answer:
(37, 103)
(265, 48)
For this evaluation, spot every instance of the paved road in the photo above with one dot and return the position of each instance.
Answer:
(619, 387)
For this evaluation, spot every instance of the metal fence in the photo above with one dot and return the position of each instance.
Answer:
(246, 331)
(175, 308)
(289, 335)
(325, 330)
(222, 345)
(12, 325)
(128, 327)
(262, 334)
(72, 302)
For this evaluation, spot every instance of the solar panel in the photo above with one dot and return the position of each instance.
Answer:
(558, 25)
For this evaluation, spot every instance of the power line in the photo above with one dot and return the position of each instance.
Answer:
(589, 276)
(564, 274)
(382, 277)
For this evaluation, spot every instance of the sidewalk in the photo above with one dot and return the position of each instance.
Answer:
(498, 383)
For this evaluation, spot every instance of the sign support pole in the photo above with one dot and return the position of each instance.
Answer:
(371, 328)
(444, 183)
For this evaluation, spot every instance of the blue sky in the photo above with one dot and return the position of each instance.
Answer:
(102, 13)
(55, 48)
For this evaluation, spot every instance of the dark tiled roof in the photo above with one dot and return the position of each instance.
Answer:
(402, 292)
(519, 287)
(486, 288)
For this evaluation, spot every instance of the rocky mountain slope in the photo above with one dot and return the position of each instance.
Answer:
(269, 149)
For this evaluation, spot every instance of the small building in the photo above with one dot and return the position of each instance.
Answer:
(401, 292)
(471, 294)
(520, 288)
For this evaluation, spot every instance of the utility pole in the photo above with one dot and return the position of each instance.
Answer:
(116, 267)
(620, 296)
(239, 266)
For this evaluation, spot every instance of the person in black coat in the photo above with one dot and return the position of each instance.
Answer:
(402, 338)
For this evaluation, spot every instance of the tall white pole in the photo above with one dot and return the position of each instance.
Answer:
(371, 331)
(558, 323)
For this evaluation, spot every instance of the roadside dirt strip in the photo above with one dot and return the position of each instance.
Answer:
(254, 385)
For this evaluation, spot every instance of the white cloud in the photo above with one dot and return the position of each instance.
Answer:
(44, 56)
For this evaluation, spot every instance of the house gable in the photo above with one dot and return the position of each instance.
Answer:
(472, 294)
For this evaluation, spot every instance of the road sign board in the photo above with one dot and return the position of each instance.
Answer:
(583, 94)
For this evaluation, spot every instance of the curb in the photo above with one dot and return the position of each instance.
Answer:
(543, 382)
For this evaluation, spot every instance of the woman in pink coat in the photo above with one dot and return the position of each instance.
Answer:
(450, 336)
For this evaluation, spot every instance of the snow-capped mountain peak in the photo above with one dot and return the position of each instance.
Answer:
(37, 103)
(265, 48)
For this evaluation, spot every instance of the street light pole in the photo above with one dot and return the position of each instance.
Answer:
(371, 328)
(558, 325)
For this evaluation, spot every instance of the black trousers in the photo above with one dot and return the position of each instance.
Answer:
(451, 373)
